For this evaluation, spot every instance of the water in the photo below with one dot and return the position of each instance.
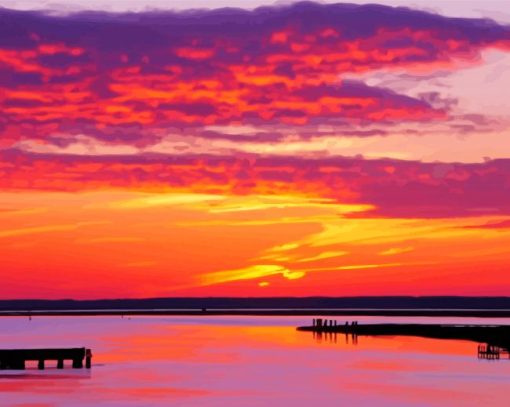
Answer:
(246, 361)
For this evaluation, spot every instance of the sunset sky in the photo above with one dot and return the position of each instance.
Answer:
(150, 150)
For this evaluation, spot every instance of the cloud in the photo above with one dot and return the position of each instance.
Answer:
(402, 189)
(250, 273)
(247, 273)
(44, 229)
(504, 224)
(396, 250)
(323, 255)
(109, 239)
(128, 78)
(166, 200)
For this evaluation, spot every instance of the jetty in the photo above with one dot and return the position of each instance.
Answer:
(15, 359)
(496, 338)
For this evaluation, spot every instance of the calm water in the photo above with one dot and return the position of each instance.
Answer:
(246, 361)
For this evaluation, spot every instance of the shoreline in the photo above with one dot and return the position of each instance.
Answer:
(493, 335)
(468, 313)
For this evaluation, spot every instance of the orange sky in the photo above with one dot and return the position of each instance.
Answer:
(308, 149)
(115, 244)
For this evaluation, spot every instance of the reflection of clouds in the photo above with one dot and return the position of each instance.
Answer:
(161, 361)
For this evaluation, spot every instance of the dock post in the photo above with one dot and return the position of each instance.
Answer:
(77, 363)
(88, 357)
(40, 365)
(60, 364)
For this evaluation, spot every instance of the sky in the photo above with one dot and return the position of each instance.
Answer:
(264, 149)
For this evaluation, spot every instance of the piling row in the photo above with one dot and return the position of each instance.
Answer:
(325, 325)
(490, 352)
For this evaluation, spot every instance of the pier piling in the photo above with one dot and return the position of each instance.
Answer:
(88, 358)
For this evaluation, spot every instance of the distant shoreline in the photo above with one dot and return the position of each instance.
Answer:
(441, 306)
(482, 313)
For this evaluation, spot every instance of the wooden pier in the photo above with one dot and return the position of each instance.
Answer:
(17, 358)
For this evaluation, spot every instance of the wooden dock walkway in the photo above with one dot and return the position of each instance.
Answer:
(17, 358)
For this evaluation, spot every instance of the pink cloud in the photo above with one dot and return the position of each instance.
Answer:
(128, 79)
(405, 189)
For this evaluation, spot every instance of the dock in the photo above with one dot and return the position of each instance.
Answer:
(15, 359)
(496, 338)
